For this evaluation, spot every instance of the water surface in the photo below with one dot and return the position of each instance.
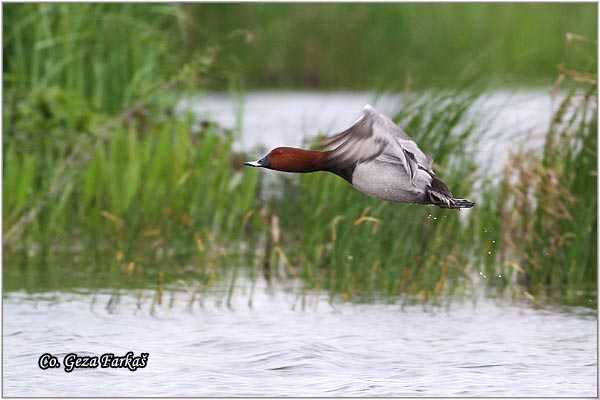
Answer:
(281, 344)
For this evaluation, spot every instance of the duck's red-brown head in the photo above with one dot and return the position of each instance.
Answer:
(289, 159)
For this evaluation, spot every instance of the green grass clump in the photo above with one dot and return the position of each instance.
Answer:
(99, 172)
(157, 200)
(87, 51)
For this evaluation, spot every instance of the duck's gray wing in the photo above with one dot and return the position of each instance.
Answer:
(406, 142)
(373, 136)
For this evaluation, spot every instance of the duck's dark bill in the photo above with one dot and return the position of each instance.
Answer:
(253, 163)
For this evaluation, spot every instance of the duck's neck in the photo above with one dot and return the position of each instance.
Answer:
(298, 160)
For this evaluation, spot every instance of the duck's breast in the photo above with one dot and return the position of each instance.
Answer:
(390, 181)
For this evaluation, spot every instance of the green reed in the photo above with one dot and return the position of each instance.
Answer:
(85, 49)
(95, 161)
(147, 200)
(538, 226)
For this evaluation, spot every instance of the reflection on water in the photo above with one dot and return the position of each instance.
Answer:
(301, 346)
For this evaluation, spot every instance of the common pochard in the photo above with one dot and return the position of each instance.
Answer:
(376, 157)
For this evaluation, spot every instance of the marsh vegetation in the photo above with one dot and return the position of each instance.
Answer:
(105, 186)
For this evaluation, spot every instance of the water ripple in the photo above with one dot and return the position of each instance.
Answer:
(272, 350)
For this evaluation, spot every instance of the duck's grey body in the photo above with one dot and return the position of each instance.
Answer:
(378, 158)
(390, 182)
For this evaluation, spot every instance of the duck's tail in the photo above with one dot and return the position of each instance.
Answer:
(457, 203)
(443, 201)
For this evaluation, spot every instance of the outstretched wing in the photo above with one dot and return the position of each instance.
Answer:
(373, 136)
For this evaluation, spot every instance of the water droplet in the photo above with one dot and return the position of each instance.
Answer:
(493, 241)
(499, 276)
(434, 217)
(489, 252)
